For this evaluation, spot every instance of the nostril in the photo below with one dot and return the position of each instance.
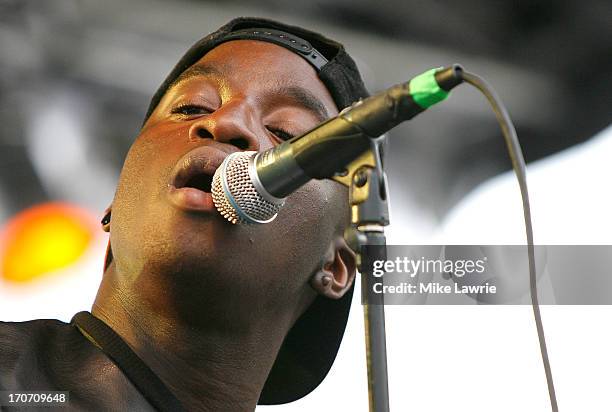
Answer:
(240, 143)
(203, 133)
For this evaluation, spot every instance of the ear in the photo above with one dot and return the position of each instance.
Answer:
(106, 219)
(337, 275)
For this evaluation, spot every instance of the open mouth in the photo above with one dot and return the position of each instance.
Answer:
(201, 182)
(191, 179)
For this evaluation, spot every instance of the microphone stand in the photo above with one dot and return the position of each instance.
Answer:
(366, 181)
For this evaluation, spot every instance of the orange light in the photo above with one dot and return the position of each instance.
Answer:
(43, 239)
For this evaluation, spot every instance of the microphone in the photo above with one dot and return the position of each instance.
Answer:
(251, 187)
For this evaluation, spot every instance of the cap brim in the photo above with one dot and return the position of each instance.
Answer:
(308, 351)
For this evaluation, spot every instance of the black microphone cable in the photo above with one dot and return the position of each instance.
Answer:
(518, 164)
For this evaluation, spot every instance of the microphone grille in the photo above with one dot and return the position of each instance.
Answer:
(235, 195)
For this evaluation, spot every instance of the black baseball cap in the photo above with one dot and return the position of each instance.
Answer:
(311, 345)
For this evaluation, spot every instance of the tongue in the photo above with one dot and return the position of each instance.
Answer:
(200, 182)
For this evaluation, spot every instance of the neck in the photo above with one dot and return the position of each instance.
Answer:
(208, 365)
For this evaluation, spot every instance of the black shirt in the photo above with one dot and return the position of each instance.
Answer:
(50, 355)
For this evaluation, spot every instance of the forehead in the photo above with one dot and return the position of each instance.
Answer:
(253, 64)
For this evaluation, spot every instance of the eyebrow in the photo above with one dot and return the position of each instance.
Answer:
(305, 98)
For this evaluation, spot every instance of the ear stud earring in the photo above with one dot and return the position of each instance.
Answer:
(106, 219)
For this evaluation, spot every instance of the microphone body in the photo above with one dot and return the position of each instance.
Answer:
(250, 187)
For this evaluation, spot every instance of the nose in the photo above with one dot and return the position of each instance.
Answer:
(233, 123)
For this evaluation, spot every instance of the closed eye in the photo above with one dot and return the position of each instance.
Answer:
(190, 110)
(280, 133)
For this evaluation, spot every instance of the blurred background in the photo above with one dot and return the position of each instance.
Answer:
(76, 78)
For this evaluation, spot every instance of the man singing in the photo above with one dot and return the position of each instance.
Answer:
(194, 313)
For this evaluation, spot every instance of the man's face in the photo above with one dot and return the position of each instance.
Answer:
(242, 95)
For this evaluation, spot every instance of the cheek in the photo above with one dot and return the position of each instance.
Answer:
(149, 162)
(310, 218)
(143, 180)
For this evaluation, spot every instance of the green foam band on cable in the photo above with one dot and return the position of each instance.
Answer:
(425, 90)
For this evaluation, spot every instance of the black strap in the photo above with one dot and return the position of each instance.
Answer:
(289, 41)
(143, 378)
